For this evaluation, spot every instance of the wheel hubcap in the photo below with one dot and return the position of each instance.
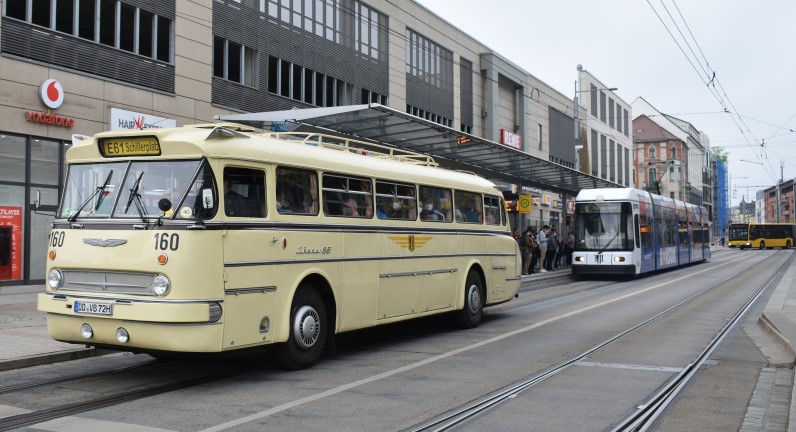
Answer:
(306, 327)
(473, 299)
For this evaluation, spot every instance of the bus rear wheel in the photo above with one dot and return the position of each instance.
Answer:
(762, 245)
(307, 333)
(473, 312)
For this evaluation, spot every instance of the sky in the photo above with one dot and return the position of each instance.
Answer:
(666, 52)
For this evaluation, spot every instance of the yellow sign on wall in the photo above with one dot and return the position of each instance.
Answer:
(524, 204)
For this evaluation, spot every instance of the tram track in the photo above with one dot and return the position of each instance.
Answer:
(646, 412)
(131, 394)
(64, 379)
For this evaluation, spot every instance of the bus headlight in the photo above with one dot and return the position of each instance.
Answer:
(160, 285)
(55, 279)
(619, 259)
(86, 331)
(121, 335)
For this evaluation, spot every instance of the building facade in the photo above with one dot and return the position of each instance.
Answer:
(784, 211)
(85, 66)
(659, 157)
(605, 130)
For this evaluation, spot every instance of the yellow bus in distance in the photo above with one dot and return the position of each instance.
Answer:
(762, 235)
(212, 238)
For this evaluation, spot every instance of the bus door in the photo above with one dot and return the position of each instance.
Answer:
(249, 290)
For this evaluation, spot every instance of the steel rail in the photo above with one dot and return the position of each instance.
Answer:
(47, 414)
(27, 385)
(648, 412)
(467, 412)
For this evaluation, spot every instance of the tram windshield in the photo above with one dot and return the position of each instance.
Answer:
(137, 189)
(603, 226)
(739, 232)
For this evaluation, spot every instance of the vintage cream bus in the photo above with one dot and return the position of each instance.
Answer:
(212, 238)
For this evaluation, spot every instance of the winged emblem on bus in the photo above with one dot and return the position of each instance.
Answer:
(410, 242)
(104, 242)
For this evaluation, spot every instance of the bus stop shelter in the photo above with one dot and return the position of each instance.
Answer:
(451, 148)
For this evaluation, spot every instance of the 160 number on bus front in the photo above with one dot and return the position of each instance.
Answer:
(166, 241)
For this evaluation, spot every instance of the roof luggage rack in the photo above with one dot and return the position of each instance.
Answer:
(355, 146)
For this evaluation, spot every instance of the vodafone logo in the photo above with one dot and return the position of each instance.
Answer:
(51, 93)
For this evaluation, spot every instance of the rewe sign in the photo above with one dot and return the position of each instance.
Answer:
(511, 139)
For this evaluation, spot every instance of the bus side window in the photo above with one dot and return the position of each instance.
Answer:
(244, 192)
(296, 191)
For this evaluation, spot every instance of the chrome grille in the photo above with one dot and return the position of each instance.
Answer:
(108, 282)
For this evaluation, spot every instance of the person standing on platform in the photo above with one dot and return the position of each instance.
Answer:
(542, 240)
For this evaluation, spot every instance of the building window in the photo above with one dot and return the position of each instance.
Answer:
(671, 174)
(234, 62)
(121, 25)
(321, 17)
(428, 61)
(652, 153)
(653, 177)
(366, 30)
(611, 112)
(674, 153)
(625, 123)
(539, 136)
(593, 100)
(428, 115)
(373, 97)
(602, 107)
(289, 80)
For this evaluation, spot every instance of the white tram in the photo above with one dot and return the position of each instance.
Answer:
(626, 231)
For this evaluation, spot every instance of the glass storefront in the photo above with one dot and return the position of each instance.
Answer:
(27, 164)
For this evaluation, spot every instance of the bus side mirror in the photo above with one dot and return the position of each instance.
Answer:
(207, 198)
(37, 201)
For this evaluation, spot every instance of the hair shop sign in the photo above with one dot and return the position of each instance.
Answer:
(52, 95)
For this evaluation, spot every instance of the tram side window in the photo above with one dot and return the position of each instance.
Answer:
(296, 191)
(347, 196)
(468, 207)
(395, 201)
(492, 210)
(647, 231)
(244, 192)
(435, 204)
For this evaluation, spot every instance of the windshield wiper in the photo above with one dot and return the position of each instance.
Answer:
(134, 195)
(608, 244)
(99, 189)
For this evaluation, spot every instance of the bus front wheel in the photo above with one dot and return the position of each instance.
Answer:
(307, 334)
(472, 313)
(787, 244)
(762, 245)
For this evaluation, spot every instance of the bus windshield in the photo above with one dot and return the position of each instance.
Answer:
(603, 226)
(739, 232)
(136, 189)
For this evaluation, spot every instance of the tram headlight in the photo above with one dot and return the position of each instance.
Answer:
(580, 258)
(160, 285)
(55, 279)
(619, 259)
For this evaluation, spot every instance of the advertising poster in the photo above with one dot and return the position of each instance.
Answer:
(10, 243)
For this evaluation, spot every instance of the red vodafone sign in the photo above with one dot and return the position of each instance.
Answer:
(51, 94)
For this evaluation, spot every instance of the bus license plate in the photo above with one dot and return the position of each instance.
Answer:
(93, 308)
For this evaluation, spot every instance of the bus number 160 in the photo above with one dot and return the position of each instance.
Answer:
(167, 241)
